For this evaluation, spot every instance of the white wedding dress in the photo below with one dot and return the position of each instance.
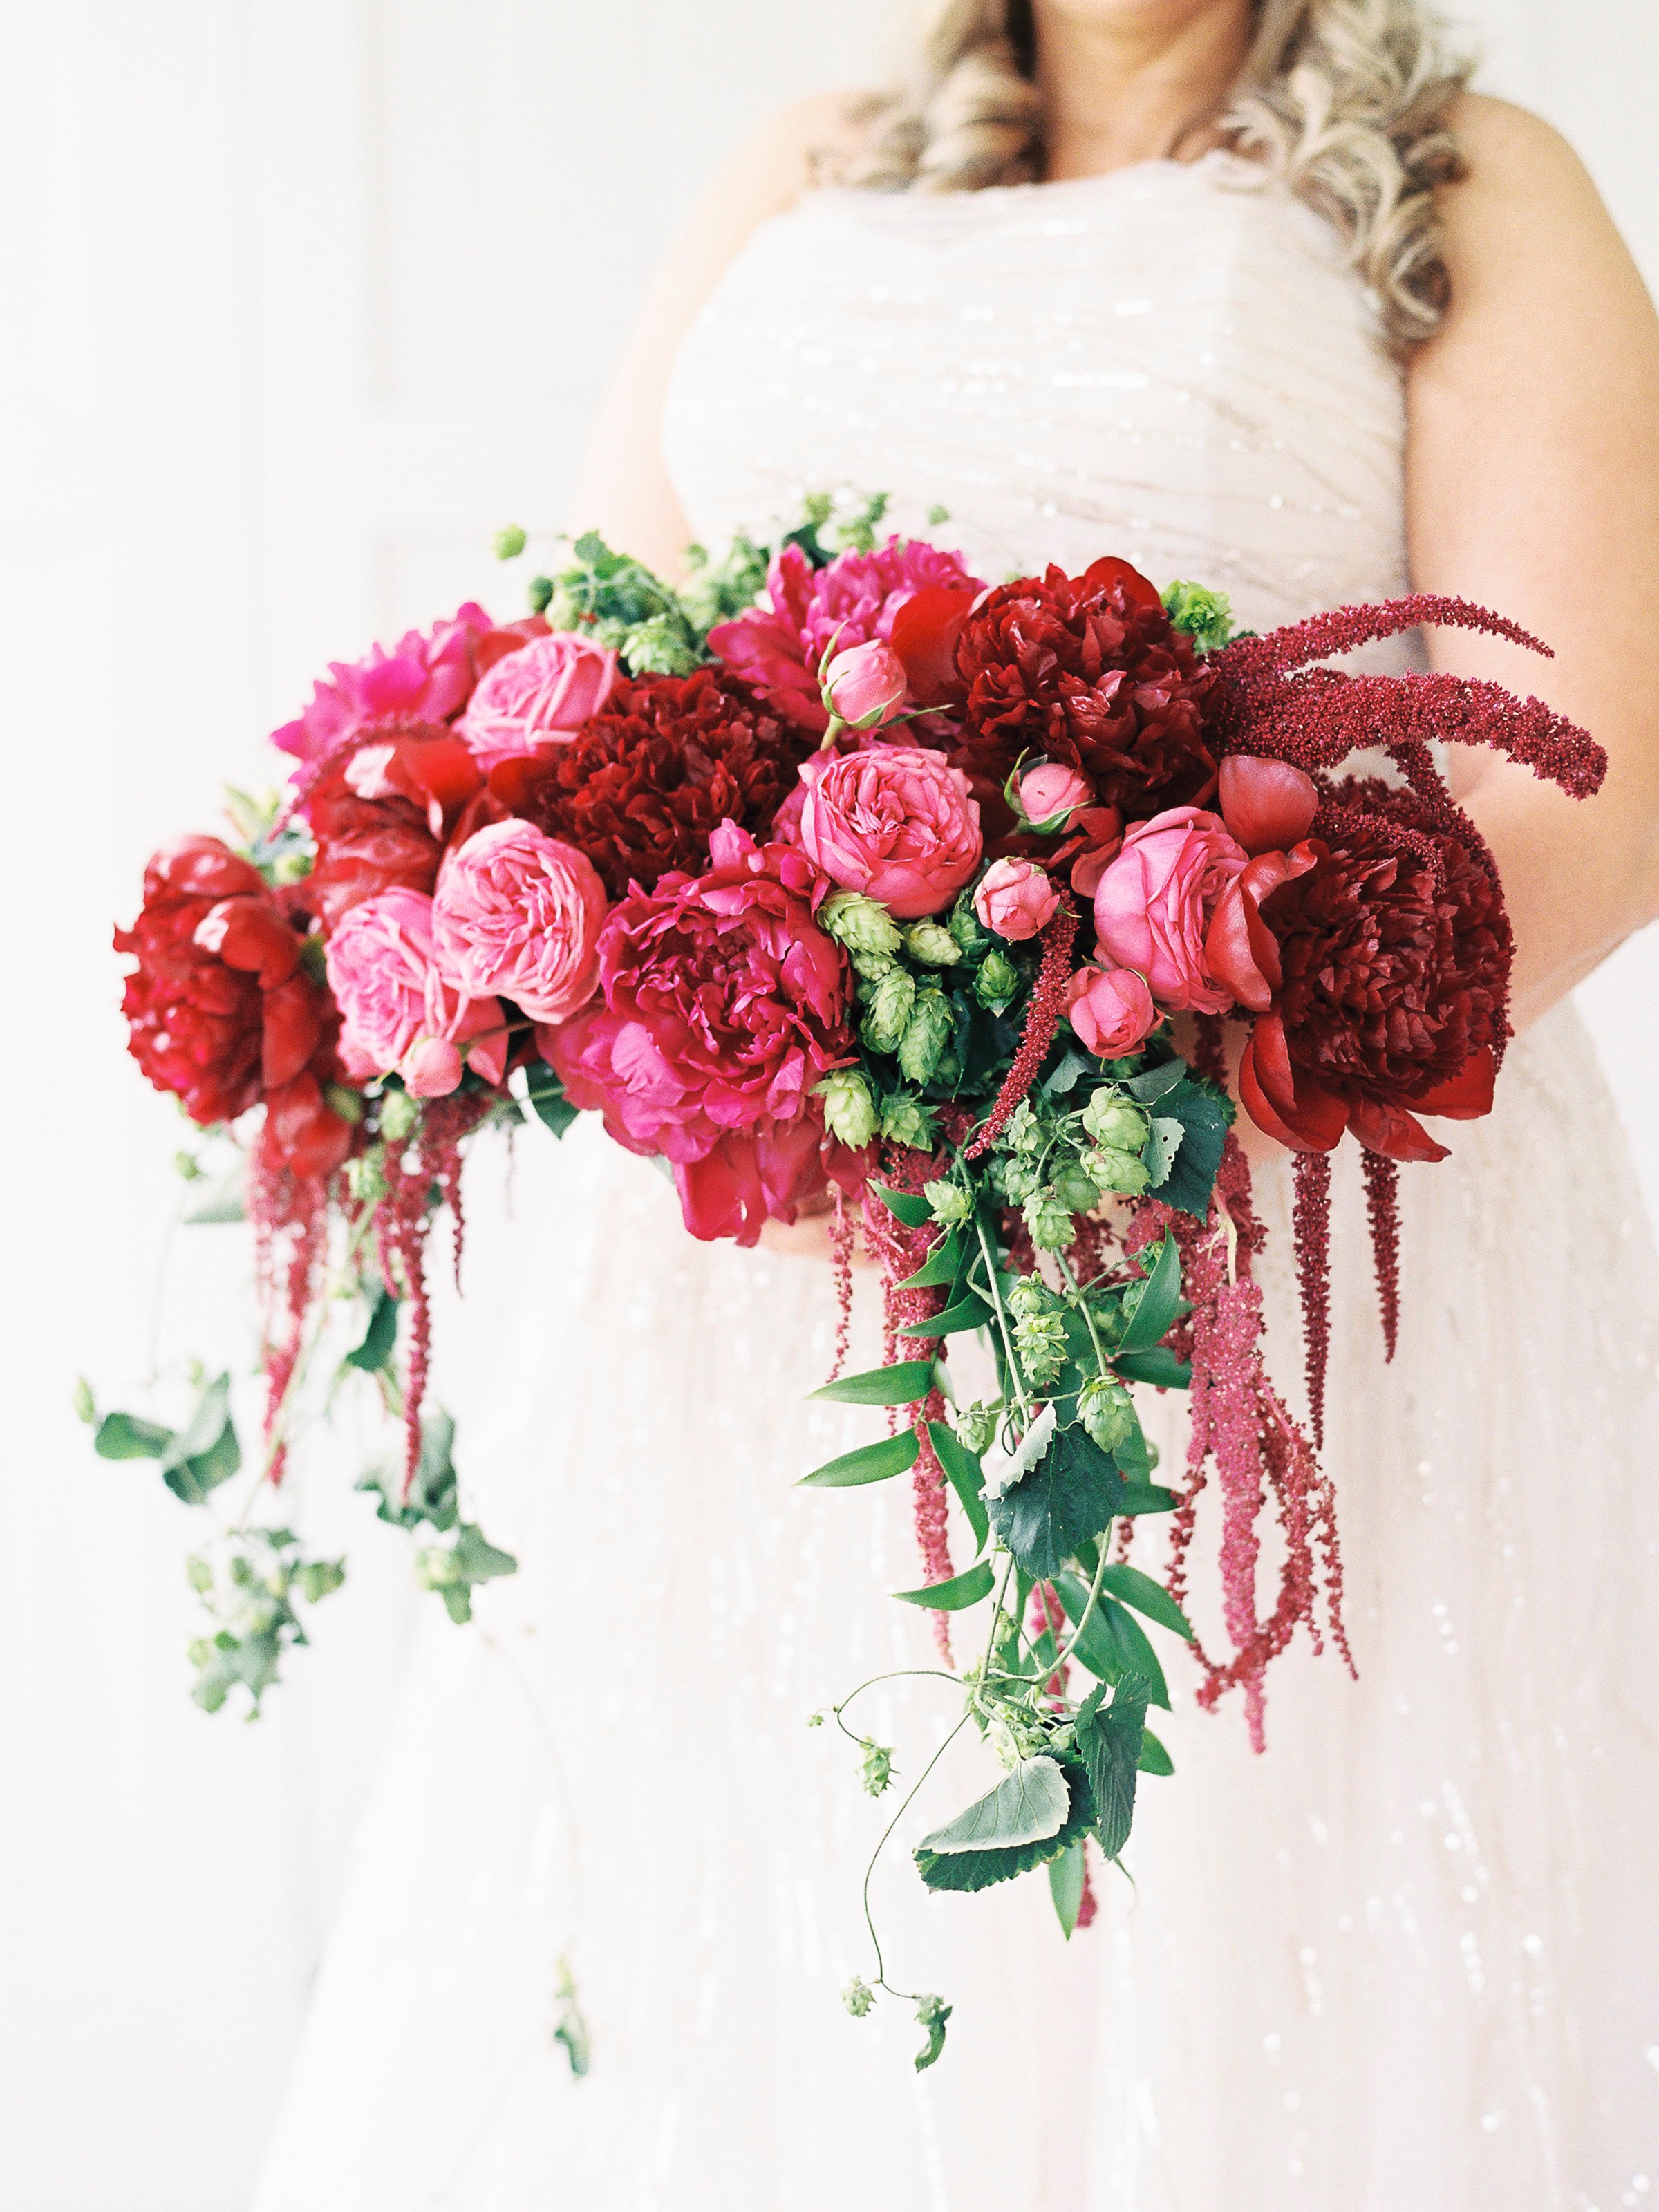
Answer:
(1407, 1961)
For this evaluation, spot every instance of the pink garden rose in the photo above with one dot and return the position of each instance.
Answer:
(1111, 1009)
(1051, 791)
(397, 1014)
(539, 696)
(865, 686)
(724, 1004)
(425, 677)
(1153, 904)
(894, 822)
(1016, 898)
(810, 612)
(519, 915)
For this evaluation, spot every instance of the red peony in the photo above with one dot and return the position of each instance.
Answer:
(643, 787)
(724, 1004)
(219, 1010)
(1089, 671)
(381, 814)
(1381, 951)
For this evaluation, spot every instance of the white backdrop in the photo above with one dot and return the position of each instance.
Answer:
(299, 304)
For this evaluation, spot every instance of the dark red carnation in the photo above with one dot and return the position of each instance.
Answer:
(380, 812)
(1392, 951)
(220, 1010)
(1087, 670)
(644, 786)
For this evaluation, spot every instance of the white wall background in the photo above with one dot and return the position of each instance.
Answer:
(297, 304)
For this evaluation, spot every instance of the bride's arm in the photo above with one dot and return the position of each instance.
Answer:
(624, 492)
(1533, 486)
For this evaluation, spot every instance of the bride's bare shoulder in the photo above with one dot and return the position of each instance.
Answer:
(783, 159)
(1514, 165)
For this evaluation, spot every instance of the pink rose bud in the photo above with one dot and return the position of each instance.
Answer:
(537, 697)
(865, 685)
(1016, 899)
(517, 915)
(1052, 790)
(1152, 906)
(1111, 1009)
(432, 1067)
(894, 822)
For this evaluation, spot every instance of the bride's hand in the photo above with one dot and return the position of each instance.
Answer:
(807, 1237)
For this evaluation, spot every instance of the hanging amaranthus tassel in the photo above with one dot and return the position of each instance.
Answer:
(1382, 1210)
(290, 1217)
(1041, 1020)
(1312, 1221)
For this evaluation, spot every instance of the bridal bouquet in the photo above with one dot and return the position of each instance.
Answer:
(841, 882)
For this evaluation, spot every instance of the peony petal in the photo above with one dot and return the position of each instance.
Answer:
(1467, 1096)
(1101, 575)
(1292, 1106)
(1240, 950)
(1266, 803)
(925, 633)
(1391, 1131)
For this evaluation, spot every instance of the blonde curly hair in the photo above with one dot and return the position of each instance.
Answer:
(1347, 100)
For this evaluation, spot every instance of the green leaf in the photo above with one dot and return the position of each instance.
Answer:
(869, 1463)
(1026, 1806)
(1147, 1497)
(546, 1094)
(967, 1477)
(206, 1424)
(961, 1591)
(1026, 1453)
(1113, 1643)
(1065, 1887)
(980, 1869)
(203, 1471)
(939, 1268)
(1162, 1146)
(1206, 1114)
(901, 1384)
(1067, 1074)
(1159, 1365)
(909, 1206)
(1110, 1743)
(1154, 1760)
(968, 1312)
(932, 2012)
(1073, 1494)
(1149, 1597)
(86, 1405)
(1151, 1306)
(478, 1559)
(378, 1338)
(1156, 1082)
(124, 1436)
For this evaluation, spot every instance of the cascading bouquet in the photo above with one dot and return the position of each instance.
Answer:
(841, 881)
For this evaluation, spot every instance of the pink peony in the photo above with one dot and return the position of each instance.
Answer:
(1016, 898)
(1051, 791)
(724, 1004)
(811, 611)
(865, 685)
(537, 696)
(398, 1015)
(1111, 1009)
(518, 914)
(426, 678)
(895, 821)
(1153, 904)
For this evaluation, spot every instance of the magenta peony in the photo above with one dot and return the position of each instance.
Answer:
(1052, 790)
(894, 822)
(1111, 1009)
(1152, 905)
(397, 1011)
(724, 1005)
(519, 915)
(851, 601)
(1016, 899)
(426, 678)
(537, 696)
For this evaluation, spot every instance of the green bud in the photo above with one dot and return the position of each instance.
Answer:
(1124, 1173)
(922, 1046)
(184, 1164)
(996, 982)
(347, 1105)
(1115, 1121)
(86, 1405)
(951, 1204)
(540, 593)
(862, 924)
(932, 942)
(937, 515)
(976, 1425)
(366, 1178)
(660, 647)
(398, 1115)
(877, 1772)
(849, 1107)
(905, 1121)
(858, 1996)
(1049, 1220)
(437, 1568)
(815, 1720)
(891, 1002)
(1205, 615)
(1106, 1412)
(510, 543)
(198, 1575)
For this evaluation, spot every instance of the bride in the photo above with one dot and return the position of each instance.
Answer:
(1255, 294)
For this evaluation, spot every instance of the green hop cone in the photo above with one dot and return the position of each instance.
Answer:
(1023, 1133)
(926, 1036)
(1106, 1412)
(849, 1107)
(951, 1204)
(996, 982)
(1018, 1179)
(1124, 1173)
(1049, 1220)
(1039, 1330)
(1077, 1187)
(966, 933)
(398, 1115)
(1115, 1122)
(877, 1770)
(510, 543)
(540, 594)
(858, 1996)
(1205, 615)
(660, 647)
(862, 925)
(931, 942)
(887, 1017)
(975, 1426)
(905, 1121)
